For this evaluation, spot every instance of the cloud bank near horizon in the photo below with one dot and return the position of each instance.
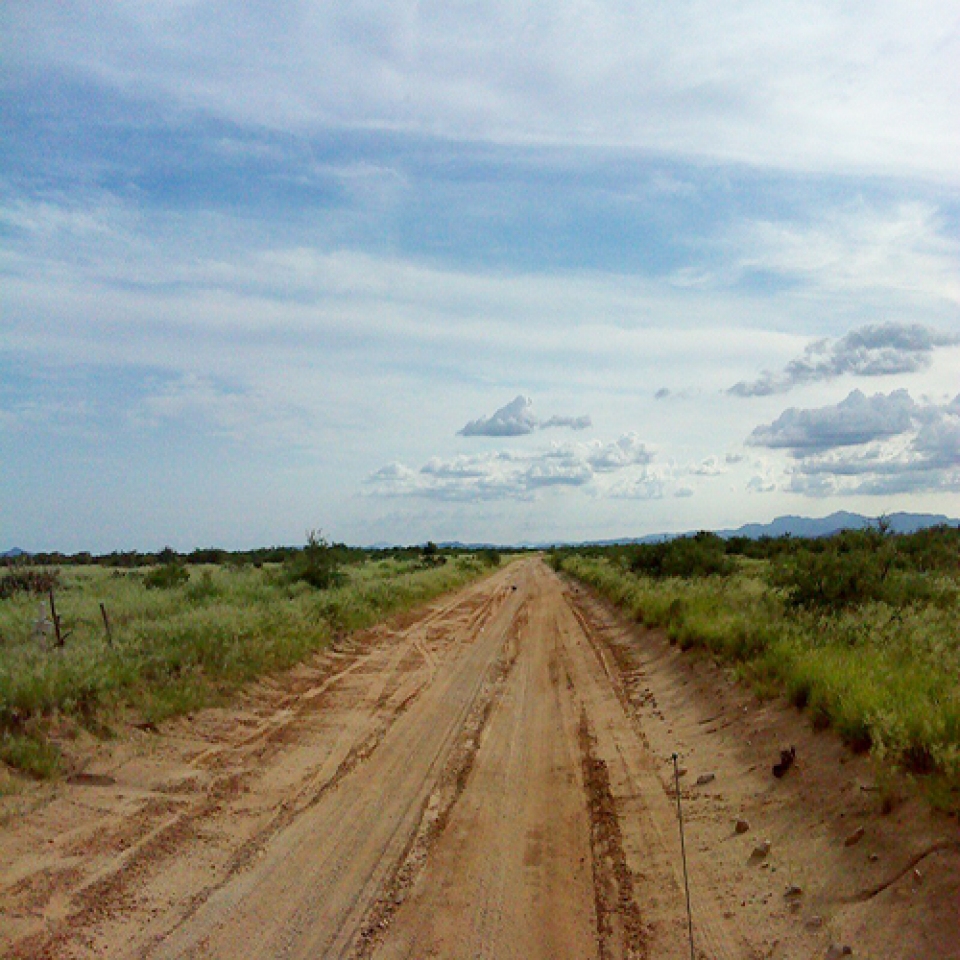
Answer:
(523, 475)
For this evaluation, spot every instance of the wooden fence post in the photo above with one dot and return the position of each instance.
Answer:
(56, 620)
(106, 624)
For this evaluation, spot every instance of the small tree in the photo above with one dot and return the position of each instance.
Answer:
(316, 563)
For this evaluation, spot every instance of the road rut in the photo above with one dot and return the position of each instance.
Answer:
(475, 781)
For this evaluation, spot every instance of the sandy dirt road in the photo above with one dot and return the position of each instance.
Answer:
(488, 777)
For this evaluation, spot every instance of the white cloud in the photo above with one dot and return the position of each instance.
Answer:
(710, 467)
(854, 421)
(647, 484)
(905, 249)
(574, 423)
(871, 351)
(513, 420)
(628, 451)
(516, 419)
(247, 414)
(880, 445)
(805, 83)
(521, 474)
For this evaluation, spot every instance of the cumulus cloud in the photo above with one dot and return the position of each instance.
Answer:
(884, 444)
(871, 351)
(517, 419)
(628, 451)
(648, 484)
(521, 475)
(711, 467)
(856, 420)
(513, 420)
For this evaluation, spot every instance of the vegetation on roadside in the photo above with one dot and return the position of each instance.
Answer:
(156, 641)
(861, 629)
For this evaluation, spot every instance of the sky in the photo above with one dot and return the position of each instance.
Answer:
(480, 271)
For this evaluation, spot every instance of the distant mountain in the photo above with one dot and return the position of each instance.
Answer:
(13, 554)
(842, 520)
(786, 526)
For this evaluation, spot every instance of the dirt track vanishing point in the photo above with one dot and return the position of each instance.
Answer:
(488, 777)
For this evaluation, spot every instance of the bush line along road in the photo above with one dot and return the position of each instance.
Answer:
(487, 777)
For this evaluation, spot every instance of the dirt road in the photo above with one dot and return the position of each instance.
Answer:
(489, 778)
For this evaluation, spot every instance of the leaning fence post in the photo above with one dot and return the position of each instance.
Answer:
(683, 853)
(106, 624)
(56, 619)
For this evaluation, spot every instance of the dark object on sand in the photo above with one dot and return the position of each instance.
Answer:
(787, 757)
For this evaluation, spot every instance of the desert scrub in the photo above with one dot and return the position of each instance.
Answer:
(181, 644)
(876, 657)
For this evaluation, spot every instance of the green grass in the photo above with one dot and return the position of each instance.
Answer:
(177, 648)
(885, 676)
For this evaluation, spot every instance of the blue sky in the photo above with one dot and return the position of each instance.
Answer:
(676, 266)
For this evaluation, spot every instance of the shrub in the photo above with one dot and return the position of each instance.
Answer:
(167, 577)
(316, 564)
(27, 581)
(703, 555)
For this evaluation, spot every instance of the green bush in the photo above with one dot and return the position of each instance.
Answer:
(864, 642)
(703, 555)
(317, 564)
(865, 566)
(167, 577)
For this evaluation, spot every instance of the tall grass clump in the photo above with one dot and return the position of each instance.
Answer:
(179, 641)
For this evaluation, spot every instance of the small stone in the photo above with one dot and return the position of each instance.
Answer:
(742, 826)
(793, 892)
(761, 850)
(814, 923)
(917, 875)
(874, 857)
(835, 951)
(854, 837)
(705, 778)
(681, 771)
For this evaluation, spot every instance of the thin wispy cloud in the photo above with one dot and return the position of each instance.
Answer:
(682, 79)
(868, 248)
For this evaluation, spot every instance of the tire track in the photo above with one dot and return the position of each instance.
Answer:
(620, 929)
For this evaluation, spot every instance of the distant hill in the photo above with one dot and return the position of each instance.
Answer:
(791, 526)
(13, 554)
(842, 520)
